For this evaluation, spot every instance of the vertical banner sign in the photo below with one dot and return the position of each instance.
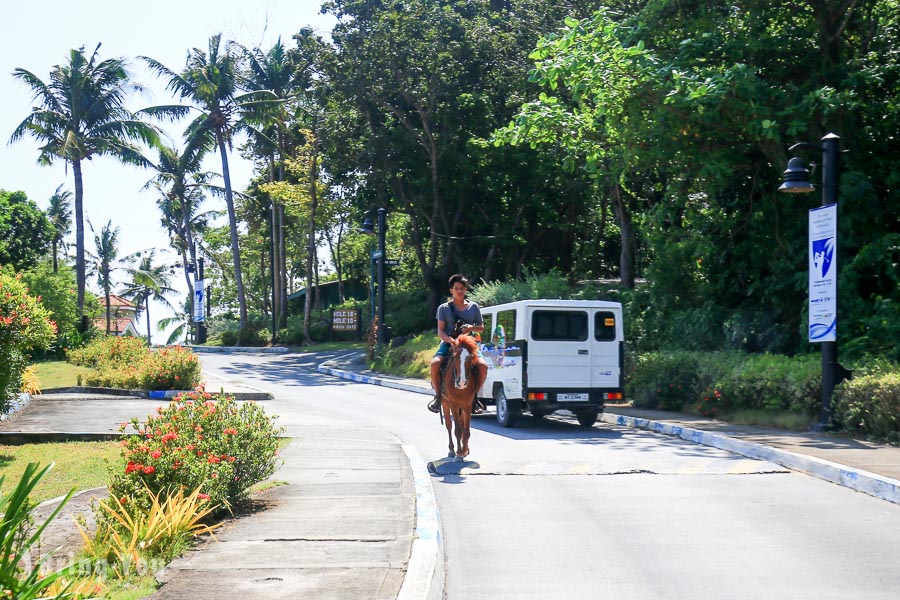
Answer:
(199, 301)
(823, 274)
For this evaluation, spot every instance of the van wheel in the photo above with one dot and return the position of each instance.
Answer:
(587, 418)
(506, 415)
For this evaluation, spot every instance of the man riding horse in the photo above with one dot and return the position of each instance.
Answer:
(454, 318)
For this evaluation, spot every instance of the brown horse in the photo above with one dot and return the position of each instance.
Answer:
(459, 388)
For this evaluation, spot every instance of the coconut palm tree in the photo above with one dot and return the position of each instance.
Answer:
(103, 263)
(210, 82)
(148, 281)
(180, 184)
(79, 114)
(60, 214)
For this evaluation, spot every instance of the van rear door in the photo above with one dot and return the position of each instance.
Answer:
(606, 348)
(559, 348)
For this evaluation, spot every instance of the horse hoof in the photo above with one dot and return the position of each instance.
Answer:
(459, 459)
(451, 455)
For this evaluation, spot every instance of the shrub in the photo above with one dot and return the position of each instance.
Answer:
(199, 441)
(109, 350)
(870, 405)
(24, 326)
(124, 362)
(667, 380)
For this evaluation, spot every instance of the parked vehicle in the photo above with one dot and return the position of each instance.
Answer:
(549, 355)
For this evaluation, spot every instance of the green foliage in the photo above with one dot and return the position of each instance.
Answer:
(25, 325)
(412, 359)
(870, 405)
(198, 440)
(57, 293)
(16, 540)
(25, 232)
(125, 362)
(550, 285)
(113, 350)
(723, 383)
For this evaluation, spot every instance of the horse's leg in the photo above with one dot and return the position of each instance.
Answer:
(464, 428)
(459, 416)
(445, 406)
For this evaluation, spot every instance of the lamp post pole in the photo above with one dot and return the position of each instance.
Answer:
(830, 155)
(382, 332)
(201, 324)
(796, 180)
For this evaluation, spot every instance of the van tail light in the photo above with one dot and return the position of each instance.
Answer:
(537, 396)
(612, 395)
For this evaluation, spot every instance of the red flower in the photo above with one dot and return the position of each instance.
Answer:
(203, 496)
(148, 470)
(131, 467)
(156, 454)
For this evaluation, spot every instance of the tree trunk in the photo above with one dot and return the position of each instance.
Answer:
(79, 243)
(311, 243)
(147, 314)
(235, 250)
(55, 263)
(626, 257)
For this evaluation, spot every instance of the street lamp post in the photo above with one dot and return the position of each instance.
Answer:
(796, 180)
(379, 257)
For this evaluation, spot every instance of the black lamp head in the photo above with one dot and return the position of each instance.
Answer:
(796, 178)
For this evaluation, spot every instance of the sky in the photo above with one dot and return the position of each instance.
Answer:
(40, 36)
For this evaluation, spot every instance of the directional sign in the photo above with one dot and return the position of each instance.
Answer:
(391, 262)
(376, 254)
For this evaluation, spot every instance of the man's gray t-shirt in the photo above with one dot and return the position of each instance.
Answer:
(471, 315)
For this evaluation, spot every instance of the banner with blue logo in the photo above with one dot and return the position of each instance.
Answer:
(823, 274)
(199, 301)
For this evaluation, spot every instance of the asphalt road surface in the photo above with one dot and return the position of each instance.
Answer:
(551, 510)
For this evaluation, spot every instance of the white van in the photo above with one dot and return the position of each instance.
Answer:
(549, 355)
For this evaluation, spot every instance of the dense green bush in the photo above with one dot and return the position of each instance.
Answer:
(870, 405)
(125, 362)
(197, 440)
(25, 325)
(720, 383)
(549, 285)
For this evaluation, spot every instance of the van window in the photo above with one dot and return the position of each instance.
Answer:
(559, 325)
(486, 336)
(505, 329)
(604, 326)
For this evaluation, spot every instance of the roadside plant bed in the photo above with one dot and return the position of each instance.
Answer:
(124, 362)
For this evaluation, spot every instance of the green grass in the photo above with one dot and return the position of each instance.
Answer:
(781, 420)
(58, 373)
(79, 465)
(330, 347)
(412, 359)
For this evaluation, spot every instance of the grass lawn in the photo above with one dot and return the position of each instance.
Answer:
(58, 373)
(82, 465)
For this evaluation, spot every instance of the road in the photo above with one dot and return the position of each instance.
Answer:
(551, 510)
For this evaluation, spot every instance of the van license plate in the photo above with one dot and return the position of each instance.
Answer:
(571, 397)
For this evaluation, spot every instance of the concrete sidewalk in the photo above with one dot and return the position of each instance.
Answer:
(870, 468)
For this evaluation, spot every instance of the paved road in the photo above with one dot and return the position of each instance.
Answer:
(549, 510)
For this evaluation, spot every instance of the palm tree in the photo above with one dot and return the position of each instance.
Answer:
(149, 281)
(80, 114)
(102, 263)
(60, 214)
(210, 82)
(179, 184)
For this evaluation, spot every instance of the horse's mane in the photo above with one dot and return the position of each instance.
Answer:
(469, 342)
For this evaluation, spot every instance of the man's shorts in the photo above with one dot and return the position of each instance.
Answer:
(444, 350)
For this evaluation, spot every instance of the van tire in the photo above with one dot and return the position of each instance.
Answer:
(506, 413)
(587, 418)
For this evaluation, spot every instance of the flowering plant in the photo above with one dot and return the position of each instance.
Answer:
(199, 441)
(127, 363)
(25, 325)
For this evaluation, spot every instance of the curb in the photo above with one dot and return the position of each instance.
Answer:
(266, 350)
(152, 394)
(884, 488)
(425, 572)
(18, 438)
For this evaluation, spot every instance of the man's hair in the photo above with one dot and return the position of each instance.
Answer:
(460, 279)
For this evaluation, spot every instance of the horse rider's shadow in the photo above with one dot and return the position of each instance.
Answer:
(452, 466)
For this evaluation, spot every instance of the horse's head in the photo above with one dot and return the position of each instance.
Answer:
(463, 358)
